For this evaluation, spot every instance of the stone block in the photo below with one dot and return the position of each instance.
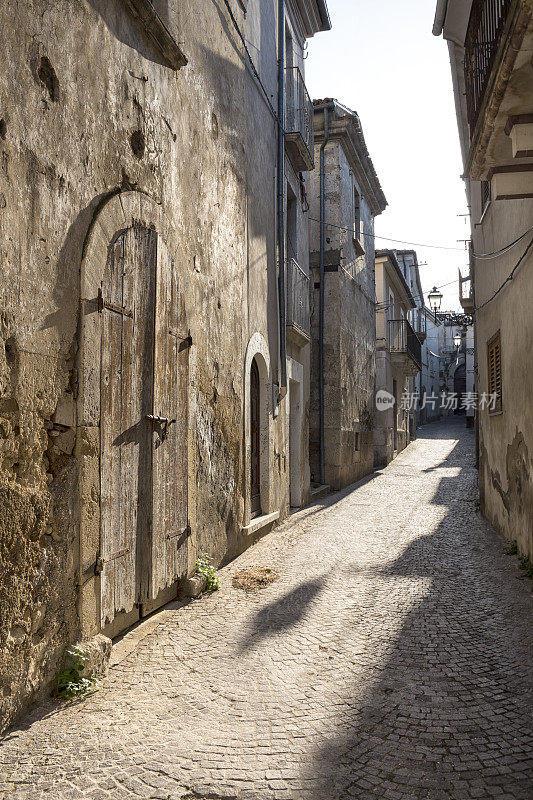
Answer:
(194, 586)
(65, 413)
(97, 653)
(65, 441)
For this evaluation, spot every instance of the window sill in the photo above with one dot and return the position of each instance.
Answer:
(359, 248)
(158, 32)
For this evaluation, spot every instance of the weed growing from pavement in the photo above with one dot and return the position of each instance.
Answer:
(69, 683)
(204, 566)
(527, 567)
(525, 564)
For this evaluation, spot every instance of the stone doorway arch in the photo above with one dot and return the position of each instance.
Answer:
(257, 354)
(134, 412)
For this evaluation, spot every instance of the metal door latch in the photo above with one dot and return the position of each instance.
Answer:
(163, 423)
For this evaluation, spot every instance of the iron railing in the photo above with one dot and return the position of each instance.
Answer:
(403, 339)
(485, 30)
(299, 109)
(418, 321)
(297, 289)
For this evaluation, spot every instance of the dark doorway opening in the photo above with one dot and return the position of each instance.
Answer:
(255, 468)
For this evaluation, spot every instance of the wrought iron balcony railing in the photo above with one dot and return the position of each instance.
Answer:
(485, 30)
(297, 289)
(403, 339)
(299, 123)
(418, 322)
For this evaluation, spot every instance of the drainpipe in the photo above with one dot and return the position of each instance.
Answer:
(281, 202)
(322, 467)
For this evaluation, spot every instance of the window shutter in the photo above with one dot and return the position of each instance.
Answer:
(494, 356)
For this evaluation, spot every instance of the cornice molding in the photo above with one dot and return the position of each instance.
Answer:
(348, 131)
(306, 18)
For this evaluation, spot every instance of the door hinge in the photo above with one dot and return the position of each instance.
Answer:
(186, 342)
(101, 304)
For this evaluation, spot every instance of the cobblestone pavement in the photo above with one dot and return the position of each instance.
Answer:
(390, 660)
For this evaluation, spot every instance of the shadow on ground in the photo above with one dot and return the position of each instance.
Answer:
(450, 716)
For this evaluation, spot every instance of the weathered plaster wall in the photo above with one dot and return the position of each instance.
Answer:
(429, 378)
(387, 372)
(81, 123)
(506, 439)
(297, 350)
(350, 328)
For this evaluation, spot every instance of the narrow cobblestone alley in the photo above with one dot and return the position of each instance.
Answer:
(389, 660)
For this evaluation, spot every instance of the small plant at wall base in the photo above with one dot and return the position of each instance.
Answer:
(69, 682)
(527, 567)
(204, 566)
(524, 563)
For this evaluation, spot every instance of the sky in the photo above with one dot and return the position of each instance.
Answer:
(382, 60)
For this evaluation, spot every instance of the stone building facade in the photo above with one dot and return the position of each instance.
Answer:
(430, 377)
(398, 357)
(494, 103)
(139, 320)
(352, 199)
(453, 362)
(408, 262)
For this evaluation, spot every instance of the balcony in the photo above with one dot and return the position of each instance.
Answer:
(297, 303)
(466, 295)
(483, 37)
(499, 108)
(299, 123)
(405, 347)
(419, 325)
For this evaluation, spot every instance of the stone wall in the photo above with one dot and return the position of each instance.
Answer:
(89, 110)
(506, 438)
(350, 328)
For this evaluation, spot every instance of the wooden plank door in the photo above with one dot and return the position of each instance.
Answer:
(126, 390)
(170, 435)
(144, 428)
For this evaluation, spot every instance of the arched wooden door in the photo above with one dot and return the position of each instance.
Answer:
(143, 428)
(255, 437)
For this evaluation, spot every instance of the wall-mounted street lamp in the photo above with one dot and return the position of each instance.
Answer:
(435, 299)
(457, 339)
